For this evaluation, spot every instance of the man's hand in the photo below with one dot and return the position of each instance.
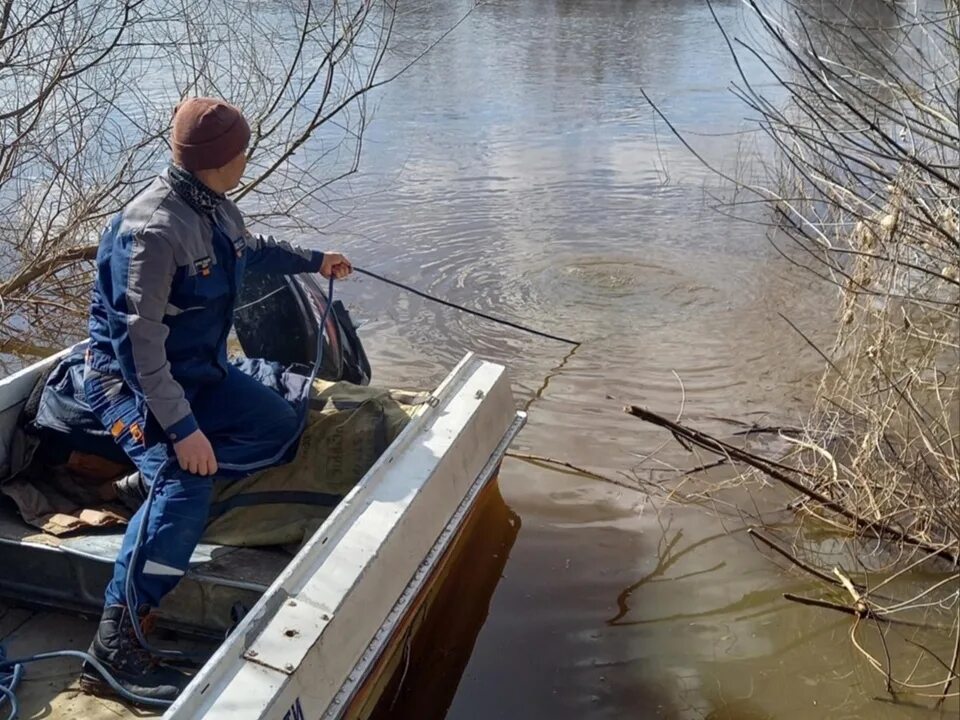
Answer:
(335, 265)
(196, 454)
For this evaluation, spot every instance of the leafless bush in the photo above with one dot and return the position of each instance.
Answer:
(86, 94)
(865, 193)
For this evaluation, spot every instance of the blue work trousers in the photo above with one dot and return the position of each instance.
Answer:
(245, 422)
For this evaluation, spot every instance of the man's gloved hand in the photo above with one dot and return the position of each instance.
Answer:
(196, 454)
(335, 265)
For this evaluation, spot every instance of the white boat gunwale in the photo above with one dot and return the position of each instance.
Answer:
(368, 660)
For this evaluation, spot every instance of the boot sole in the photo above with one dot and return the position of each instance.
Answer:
(97, 686)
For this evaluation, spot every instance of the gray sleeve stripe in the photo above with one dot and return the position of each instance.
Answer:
(149, 275)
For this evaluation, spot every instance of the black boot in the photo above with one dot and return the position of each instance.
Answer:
(118, 650)
(131, 491)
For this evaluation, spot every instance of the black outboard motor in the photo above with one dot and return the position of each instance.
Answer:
(277, 317)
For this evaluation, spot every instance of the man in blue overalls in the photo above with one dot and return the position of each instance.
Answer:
(168, 271)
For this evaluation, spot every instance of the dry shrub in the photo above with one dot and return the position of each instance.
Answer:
(887, 418)
(860, 103)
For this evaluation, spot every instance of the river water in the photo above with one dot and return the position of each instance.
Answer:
(518, 169)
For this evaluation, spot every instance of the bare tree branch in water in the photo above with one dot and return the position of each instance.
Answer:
(859, 108)
(868, 545)
(86, 96)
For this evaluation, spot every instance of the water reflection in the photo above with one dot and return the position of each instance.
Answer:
(623, 612)
(441, 640)
(665, 560)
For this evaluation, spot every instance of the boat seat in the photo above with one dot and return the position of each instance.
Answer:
(70, 573)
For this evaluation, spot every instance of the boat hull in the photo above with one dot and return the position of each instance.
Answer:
(418, 672)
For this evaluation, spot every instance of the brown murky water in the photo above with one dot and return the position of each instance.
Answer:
(517, 169)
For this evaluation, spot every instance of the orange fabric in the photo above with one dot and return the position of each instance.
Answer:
(93, 467)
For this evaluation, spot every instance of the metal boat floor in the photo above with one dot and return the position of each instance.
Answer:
(50, 689)
(71, 573)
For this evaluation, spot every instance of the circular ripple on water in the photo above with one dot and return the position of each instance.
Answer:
(605, 279)
(601, 293)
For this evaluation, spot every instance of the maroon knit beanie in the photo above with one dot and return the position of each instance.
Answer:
(207, 133)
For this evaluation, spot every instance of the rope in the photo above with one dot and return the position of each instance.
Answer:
(447, 303)
(13, 669)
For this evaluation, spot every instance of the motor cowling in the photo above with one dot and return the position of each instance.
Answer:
(278, 318)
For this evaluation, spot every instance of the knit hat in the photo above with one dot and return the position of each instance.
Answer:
(207, 133)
